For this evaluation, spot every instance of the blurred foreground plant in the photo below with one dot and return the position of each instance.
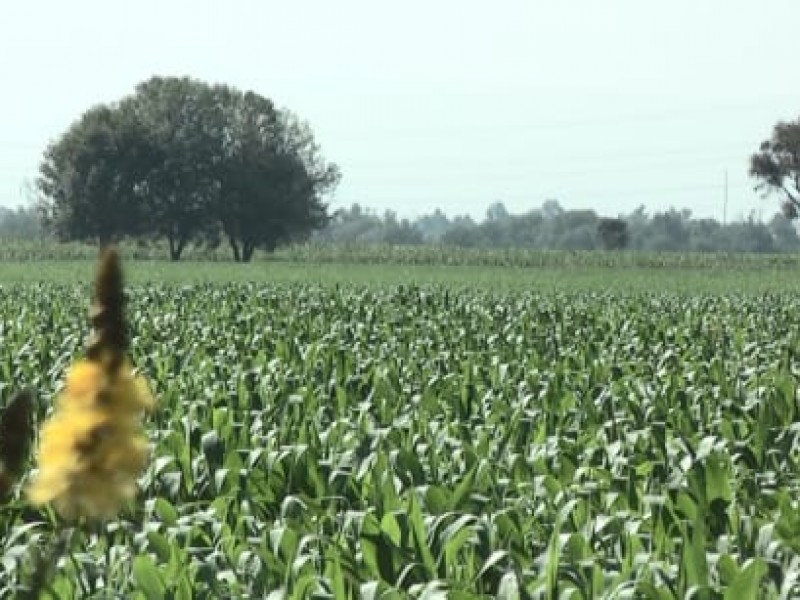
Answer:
(93, 448)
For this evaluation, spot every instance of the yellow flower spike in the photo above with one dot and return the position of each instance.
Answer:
(92, 448)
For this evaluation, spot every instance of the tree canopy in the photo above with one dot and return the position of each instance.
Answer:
(613, 233)
(189, 162)
(777, 166)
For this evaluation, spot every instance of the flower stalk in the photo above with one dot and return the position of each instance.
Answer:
(92, 448)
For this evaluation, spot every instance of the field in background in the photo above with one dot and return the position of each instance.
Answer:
(611, 279)
(381, 266)
(389, 430)
(425, 255)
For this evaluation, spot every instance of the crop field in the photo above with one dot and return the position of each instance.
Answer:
(433, 439)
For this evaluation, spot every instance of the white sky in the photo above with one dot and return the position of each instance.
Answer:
(451, 104)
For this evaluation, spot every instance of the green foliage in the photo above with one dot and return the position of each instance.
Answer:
(185, 161)
(88, 178)
(628, 272)
(272, 177)
(435, 441)
(181, 126)
(776, 167)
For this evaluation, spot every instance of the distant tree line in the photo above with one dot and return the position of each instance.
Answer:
(21, 223)
(547, 227)
(186, 162)
(552, 227)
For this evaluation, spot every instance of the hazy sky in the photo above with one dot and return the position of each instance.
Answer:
(451, 104)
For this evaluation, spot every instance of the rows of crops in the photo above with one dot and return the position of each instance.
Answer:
(434, 442)
(529, 257)
(421, 255)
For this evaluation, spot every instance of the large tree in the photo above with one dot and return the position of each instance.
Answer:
(88, 180)
(183, 124)
(777, 166)
(186, 161)
(273, 177)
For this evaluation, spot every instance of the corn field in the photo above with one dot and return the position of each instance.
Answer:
(433, 441)
(12, 250)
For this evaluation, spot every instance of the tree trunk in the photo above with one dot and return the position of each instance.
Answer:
(175, 247)
(247, 251)
(237, 257)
